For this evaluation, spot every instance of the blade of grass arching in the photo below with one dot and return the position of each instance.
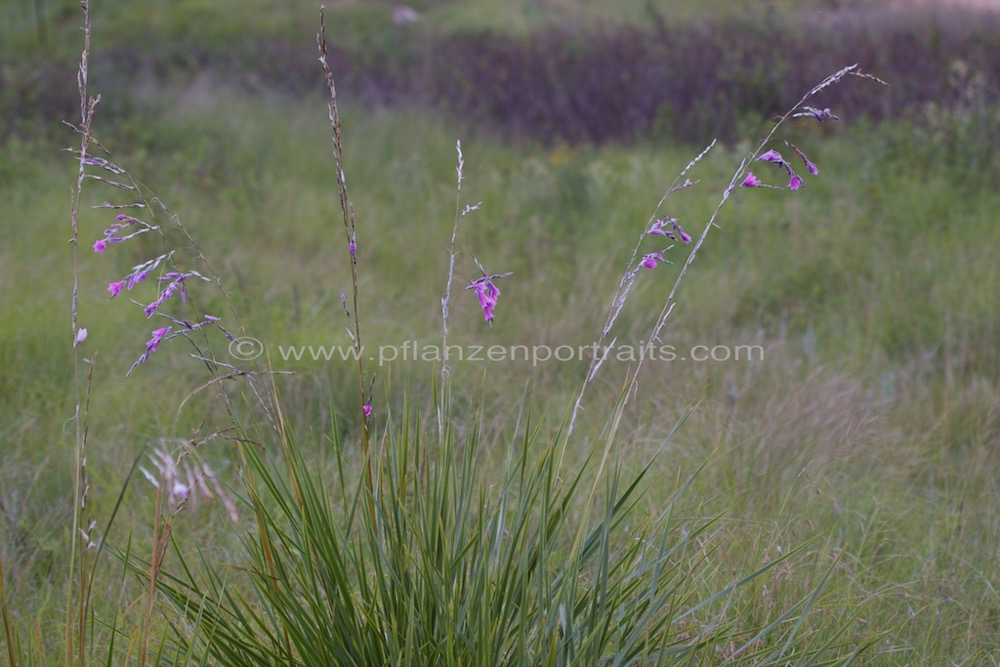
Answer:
(505, 549)
(291, 612)
(829, 644)
(529, 549)
(111, 521)
(807, 608)
(986, 581)
(187, 648)
(622, 508)
(181, 593)
(860, 650)
(214, 596)
(744, 580)
(161, 646)
(252, 465)
(242, 635)
(764, 632)
(338, 450)
(614, 422)
(653, 619)
(121, 599)
(598, 610)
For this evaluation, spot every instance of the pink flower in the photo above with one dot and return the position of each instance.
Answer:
(794, 182)
(772, 156)
(151, 345)
(751, 181)
(650, 260)
(100, 245)
(176, 283)
(486, 290)
(685, 237)
(657, 228)
(660, 228)
(136, 278)
(488, 294)
(367, 409)
(116, 288)
(813, 169)
(154, 342)
(352, 248)
(81, 335)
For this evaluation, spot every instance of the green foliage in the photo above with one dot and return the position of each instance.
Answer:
(536, 564)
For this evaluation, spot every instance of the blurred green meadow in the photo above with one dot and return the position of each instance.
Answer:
(869, 430)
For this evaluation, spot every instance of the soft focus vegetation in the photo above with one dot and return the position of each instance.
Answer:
(866, 442)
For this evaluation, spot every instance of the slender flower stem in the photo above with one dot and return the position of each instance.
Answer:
(87, 106)
(446, 300)
(626, 283)
(668, 305)
(628, 277)
(351, 241)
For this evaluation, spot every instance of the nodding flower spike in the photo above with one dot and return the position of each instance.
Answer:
(151, 345)
(488, 294)
(658, 228)
(772, 156)
(176, 283)
(794, 182)
(675, 231)
(486, 290)
(136, 278)
(100, 245)
(684, 236)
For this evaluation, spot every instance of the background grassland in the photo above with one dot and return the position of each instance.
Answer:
(871, 427)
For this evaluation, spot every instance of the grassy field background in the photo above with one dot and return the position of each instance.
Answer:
(870, 429)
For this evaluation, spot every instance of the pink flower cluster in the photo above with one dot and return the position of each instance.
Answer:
(139, 273)
(670, 229)
(794, 181)
(486, 290)
(663, 227)
(122, 223)
(174, 283)
(488, 294)
(650, 260)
